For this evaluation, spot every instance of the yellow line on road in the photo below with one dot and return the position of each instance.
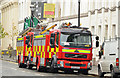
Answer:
(13, 62)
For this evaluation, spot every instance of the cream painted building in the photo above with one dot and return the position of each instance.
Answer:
(9, 11)
(100, 16)
(24, 11)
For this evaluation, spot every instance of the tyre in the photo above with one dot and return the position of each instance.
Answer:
(30, 66)
(24, 65)
(113, 75)
(100, 73)
(20, 65)
(52, 69)
(37, 66)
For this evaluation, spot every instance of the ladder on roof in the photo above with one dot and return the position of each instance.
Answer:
(24, 32)
(48, 29)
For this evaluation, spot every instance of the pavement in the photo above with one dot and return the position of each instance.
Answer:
(6, 58)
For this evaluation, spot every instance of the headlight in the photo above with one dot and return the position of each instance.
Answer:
(61, 64)
(89, 65)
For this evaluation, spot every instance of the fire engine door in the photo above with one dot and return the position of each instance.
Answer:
(29, 42)
(54, 41)
(52, 45)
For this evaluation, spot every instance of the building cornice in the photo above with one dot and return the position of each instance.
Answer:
(5, 5)
(81, 15)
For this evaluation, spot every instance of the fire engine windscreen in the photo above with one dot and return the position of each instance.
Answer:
(75, 40)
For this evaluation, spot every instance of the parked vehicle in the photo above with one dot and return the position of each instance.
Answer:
(109, 62)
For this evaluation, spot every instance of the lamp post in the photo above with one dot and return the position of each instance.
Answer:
(78, 13)
(32, 12)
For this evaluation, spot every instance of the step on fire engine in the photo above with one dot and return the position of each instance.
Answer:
(66, 48)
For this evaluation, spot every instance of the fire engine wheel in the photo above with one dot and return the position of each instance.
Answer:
(30, 66)
(24, 65)
(38, 68)
(52, 69)
(19, 64)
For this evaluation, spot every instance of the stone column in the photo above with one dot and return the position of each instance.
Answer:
(103, 25)
(109, 24)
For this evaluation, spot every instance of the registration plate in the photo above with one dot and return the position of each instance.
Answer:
(73, 67)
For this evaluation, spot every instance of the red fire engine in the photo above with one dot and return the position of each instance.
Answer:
(67, 48)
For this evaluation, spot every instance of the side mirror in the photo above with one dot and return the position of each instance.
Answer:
(97, 43)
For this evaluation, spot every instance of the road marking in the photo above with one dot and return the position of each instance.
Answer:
(13, 62)
(13, 68)
(23, 71)
(38, 74)
(42, 75)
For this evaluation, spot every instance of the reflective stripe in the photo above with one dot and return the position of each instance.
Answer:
(17, 53)
(41, 54)
(39, 36)
(44, 55)
(37, 52)
(48, 48)
(73, 50)
(49, 54)
(36, 48)
(27, 53)
(57, 49)
(34, 54)
(29, 49)
(21, 52)
(43, 48)
(39, 48)
(55, 53)
(31, 53)
(26, 48)
(22, 48)
(19, 39)
(52, 49)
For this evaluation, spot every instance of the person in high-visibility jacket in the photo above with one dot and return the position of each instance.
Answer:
(10, 50)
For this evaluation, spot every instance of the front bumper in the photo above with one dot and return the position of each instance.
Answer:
(63, 64)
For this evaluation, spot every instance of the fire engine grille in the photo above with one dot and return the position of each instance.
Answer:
(81, 65)
(75, 56)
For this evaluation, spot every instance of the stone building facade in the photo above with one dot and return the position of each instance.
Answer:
(9, 18)
(100, 16)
